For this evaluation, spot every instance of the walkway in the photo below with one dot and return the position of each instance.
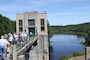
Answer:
(9, 55)
(21, 44)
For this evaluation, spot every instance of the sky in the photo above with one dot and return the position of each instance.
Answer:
(59, 12)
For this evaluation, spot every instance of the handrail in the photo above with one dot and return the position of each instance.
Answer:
(22, 42)
(20, 46)
(23, 49)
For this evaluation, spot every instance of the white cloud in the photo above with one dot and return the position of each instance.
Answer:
(65, 13)
(30, 4)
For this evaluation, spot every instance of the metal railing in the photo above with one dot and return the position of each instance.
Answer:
(20, 46)
(22, 42)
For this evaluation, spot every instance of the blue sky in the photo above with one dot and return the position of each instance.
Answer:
(59, 12)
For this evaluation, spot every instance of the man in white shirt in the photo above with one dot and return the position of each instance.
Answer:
(11, 39)
(15, 38)
(3, 46)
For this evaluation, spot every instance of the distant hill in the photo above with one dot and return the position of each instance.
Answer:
(6, 25)
(85, 27)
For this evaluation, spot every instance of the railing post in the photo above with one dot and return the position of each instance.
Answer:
(14, 53)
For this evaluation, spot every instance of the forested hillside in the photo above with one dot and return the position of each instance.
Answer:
(80, 28)
(6, 25)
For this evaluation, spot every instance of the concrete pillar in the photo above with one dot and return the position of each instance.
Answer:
(14, 53)
(40, 48)
(46, 47)
(21, 57)
(37, 50)
(87, 53)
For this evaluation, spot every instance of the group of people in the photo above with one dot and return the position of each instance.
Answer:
(8, 40)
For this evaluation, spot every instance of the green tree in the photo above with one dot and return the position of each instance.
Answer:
(6, 25)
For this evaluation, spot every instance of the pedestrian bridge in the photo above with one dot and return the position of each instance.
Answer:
(24, 47)
(25, 44)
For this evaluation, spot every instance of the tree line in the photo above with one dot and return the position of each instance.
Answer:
(6, 25)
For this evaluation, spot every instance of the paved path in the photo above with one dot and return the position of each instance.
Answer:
(9, 55)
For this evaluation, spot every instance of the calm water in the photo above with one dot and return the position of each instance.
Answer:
(65, 45)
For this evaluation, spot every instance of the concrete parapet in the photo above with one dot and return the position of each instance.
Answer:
(14, 53)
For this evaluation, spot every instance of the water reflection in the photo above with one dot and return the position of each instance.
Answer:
(65, 45)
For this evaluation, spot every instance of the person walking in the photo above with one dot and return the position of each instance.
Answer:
(15, 35)
(11, 39)
(3, 46)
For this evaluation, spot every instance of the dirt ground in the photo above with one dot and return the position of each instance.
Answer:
(77, 58)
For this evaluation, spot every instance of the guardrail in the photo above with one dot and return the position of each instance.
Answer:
(21, 45)
(22, 42)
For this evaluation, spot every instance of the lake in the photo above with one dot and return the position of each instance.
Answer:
(63, 44)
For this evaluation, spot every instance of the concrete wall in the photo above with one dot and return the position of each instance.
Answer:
(87, 53)
(43, 49)
(32, 15)
(29, 15)
(46, 47)
(19, 17)
(42, 16)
